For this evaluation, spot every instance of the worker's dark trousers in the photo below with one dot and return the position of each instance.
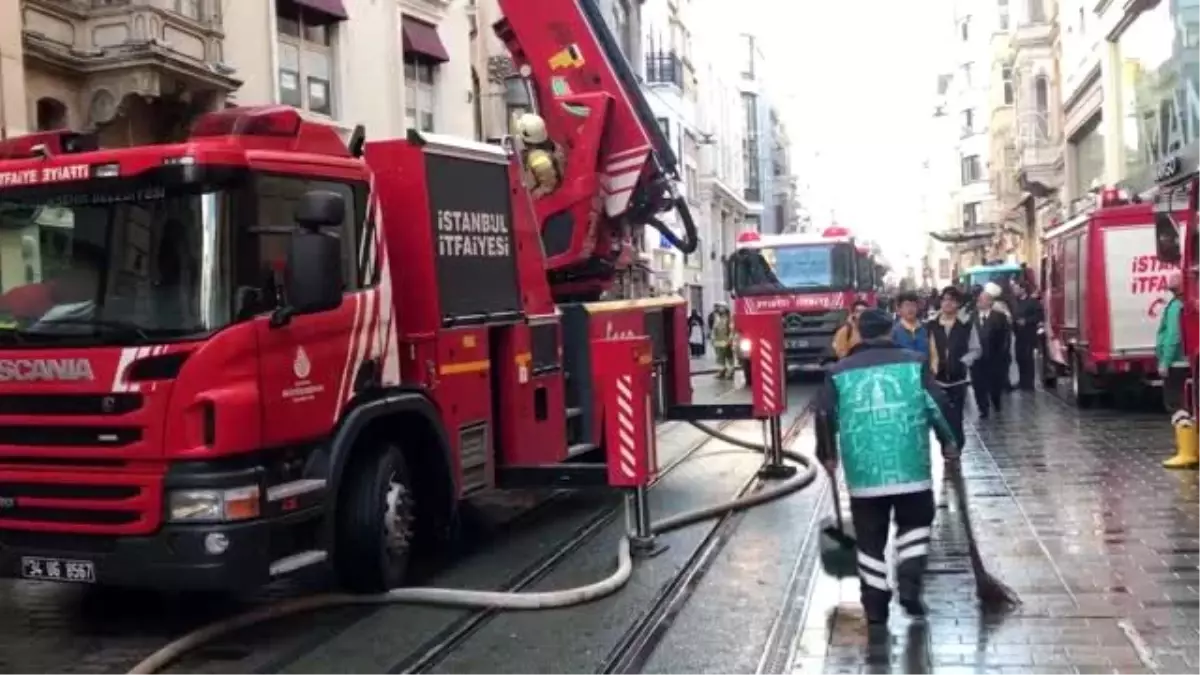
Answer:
(1023, 346)
(956, 396)
(988, 379)
(872, 519)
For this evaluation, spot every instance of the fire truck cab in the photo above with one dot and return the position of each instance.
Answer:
(1177, 237)
(1104, 286)
(812, 280)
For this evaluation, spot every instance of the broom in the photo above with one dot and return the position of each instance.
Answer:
(994, 596)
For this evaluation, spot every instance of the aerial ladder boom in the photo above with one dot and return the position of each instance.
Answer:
(617, 172)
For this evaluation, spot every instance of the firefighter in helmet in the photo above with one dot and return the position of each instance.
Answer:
(542, 157)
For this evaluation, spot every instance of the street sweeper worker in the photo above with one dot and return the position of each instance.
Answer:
(878, 406)
(1173, 369)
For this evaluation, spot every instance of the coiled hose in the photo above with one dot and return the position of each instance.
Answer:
(520, 601)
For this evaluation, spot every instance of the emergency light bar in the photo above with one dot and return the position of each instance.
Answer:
(274, 120)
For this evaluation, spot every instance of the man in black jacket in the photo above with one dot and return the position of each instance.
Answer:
(957, 345)
(1027, 315)
(989, 376)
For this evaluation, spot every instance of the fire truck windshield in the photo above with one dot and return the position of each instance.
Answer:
(801, 267)
(112, 267)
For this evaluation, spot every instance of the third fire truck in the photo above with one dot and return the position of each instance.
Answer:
(1104, 289)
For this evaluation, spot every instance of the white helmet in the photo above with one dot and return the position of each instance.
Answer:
(531, 128)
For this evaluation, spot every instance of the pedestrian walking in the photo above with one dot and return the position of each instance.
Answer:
(989, 376)
(722, 341)
(957, 345)
(1027, 316)
(696, 333)
(909, 331)
(877, 407)
(1173, 369)
(847, 335)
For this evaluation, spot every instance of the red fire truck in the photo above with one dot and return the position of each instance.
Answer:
(264, 348)
(1104, 289)
(812, 280)
(1177, 230)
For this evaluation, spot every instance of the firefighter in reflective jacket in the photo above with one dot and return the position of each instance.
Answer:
(1173, 369)
(543, 158)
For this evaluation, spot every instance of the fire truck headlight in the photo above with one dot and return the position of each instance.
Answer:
(744, 347)
(213, 506)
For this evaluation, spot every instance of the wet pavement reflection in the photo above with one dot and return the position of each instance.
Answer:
(1074, 513)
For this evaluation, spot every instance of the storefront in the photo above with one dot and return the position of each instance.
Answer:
(1159, 54)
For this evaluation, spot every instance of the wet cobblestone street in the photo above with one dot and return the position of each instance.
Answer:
(1075, 514)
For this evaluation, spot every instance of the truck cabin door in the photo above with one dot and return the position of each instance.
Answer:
(314, 348)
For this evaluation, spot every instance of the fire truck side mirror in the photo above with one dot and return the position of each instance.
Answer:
(1166, 237)
(313, 280)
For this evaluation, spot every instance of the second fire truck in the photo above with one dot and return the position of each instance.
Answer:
(812, 280)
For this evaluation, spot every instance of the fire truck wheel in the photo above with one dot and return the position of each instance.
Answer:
(1081, 395)
(375, 522)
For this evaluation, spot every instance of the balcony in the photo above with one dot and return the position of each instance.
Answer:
(114, 50)
(1038, 150)
(1034, 33)
(664, 68)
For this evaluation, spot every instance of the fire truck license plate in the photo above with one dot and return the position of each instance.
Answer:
(58, 569)
(794, 343)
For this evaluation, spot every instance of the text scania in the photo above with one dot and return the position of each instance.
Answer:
(45, 370)
(472, 234)
(46, 174)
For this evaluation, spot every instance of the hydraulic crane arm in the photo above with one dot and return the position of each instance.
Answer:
(618, 172)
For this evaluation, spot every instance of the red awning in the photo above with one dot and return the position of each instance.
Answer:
(421, 40)
(335, 10)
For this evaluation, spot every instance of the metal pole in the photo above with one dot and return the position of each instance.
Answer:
(773, 466)
(637, 516)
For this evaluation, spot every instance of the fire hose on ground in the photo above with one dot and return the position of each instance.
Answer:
(477, 599)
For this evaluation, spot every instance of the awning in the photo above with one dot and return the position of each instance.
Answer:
(332, 10)
(421, 40)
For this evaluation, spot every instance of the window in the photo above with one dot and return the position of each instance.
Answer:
(748, 65)
(1041, 94)
(966, 73)
(1037, 11)
(188, 8)
(419, 79)
(305, 59)
(623, 28)
(261, 247)
(665, 125)
(971, 169)
(693, 183)
(1006, 75)
(964, 29)
(968, 122)
(1003, 6)
(970, 215)
(750, 148)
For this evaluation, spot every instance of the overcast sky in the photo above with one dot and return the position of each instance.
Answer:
(855, 82)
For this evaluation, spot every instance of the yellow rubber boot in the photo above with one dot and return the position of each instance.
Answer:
(1187, 452)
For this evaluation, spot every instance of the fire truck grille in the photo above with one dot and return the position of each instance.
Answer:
(84, 436)
(70, 503)
(69, 404)
(812, 323)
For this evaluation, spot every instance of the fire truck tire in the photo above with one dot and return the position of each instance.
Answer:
(375, 522)
(1049, 370)
(1081, 394)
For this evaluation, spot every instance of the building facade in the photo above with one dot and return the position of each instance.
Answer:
(1131, 96)
(671, 87)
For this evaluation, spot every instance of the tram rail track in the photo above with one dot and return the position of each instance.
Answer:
(436, 650)
(639, 641)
